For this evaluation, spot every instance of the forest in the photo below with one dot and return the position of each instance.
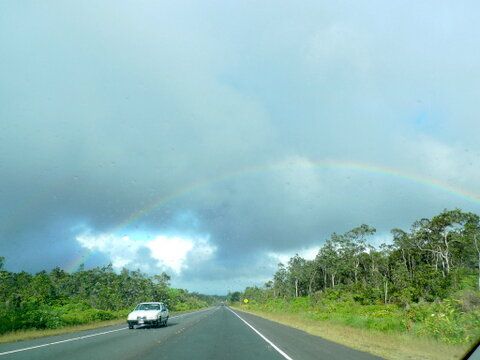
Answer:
(425, 281)
(55, 299)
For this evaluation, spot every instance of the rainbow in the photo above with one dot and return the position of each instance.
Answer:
(289, 163)
(326, 164)
(74, 265)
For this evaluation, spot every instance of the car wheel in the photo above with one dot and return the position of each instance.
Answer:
(165, 322)
(130, 326)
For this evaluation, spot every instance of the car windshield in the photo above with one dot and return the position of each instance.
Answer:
(148, 307)
(295, 179)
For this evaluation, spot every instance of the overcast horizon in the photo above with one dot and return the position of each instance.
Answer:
(211, 140)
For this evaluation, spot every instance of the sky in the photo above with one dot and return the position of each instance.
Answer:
(213, 139)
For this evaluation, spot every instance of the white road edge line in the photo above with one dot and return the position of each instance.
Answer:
(60, 342)
(85, 336)
(280, 351)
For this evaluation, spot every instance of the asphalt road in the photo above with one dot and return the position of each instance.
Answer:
(216, 333)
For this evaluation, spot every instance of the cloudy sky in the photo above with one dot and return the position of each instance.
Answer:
(213, 139)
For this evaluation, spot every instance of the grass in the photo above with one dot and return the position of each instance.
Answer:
(37, 333)
(389, 345)
(29, 334)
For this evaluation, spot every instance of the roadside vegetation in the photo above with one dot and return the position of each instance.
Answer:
(388, 345)
(425, 284)
(58, 299)
(28, 334)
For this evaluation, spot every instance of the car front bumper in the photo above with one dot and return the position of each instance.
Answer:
(143, 322)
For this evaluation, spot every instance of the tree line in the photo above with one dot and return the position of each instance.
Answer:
(425, 263)
(57, 298)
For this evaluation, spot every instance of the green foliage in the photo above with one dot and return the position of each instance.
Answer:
(234, 297)
(444, 321)
(426, 282)
(56, 299)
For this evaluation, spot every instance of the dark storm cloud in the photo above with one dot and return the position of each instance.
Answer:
(219, 114)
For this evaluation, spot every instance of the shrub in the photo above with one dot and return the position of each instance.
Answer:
(468, 300)
(445, 320)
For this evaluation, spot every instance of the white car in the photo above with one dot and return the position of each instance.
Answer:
(148, 313)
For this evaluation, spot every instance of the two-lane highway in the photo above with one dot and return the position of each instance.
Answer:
(216, 333)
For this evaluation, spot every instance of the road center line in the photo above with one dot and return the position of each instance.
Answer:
(280, 351)
(85, 336)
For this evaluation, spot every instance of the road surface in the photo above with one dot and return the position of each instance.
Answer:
(215, 333)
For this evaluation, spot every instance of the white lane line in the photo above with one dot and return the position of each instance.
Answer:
(60, 342)
(85, 336)
(280, 351)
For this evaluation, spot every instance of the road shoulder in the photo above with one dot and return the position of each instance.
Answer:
(389, 346)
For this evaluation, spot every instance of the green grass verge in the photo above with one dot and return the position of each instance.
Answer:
(389, 345)
(453, 321)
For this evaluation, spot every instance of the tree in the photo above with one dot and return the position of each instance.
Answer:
(234, 297)
(426, 263)
(298, 275)
(354, 245)
(330, 258)
(280, 286)
(384, 267)
(437, 235)
(472, 231)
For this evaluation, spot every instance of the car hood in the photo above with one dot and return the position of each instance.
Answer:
(143, 313)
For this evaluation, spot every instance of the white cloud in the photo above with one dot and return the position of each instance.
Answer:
(167, 252)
